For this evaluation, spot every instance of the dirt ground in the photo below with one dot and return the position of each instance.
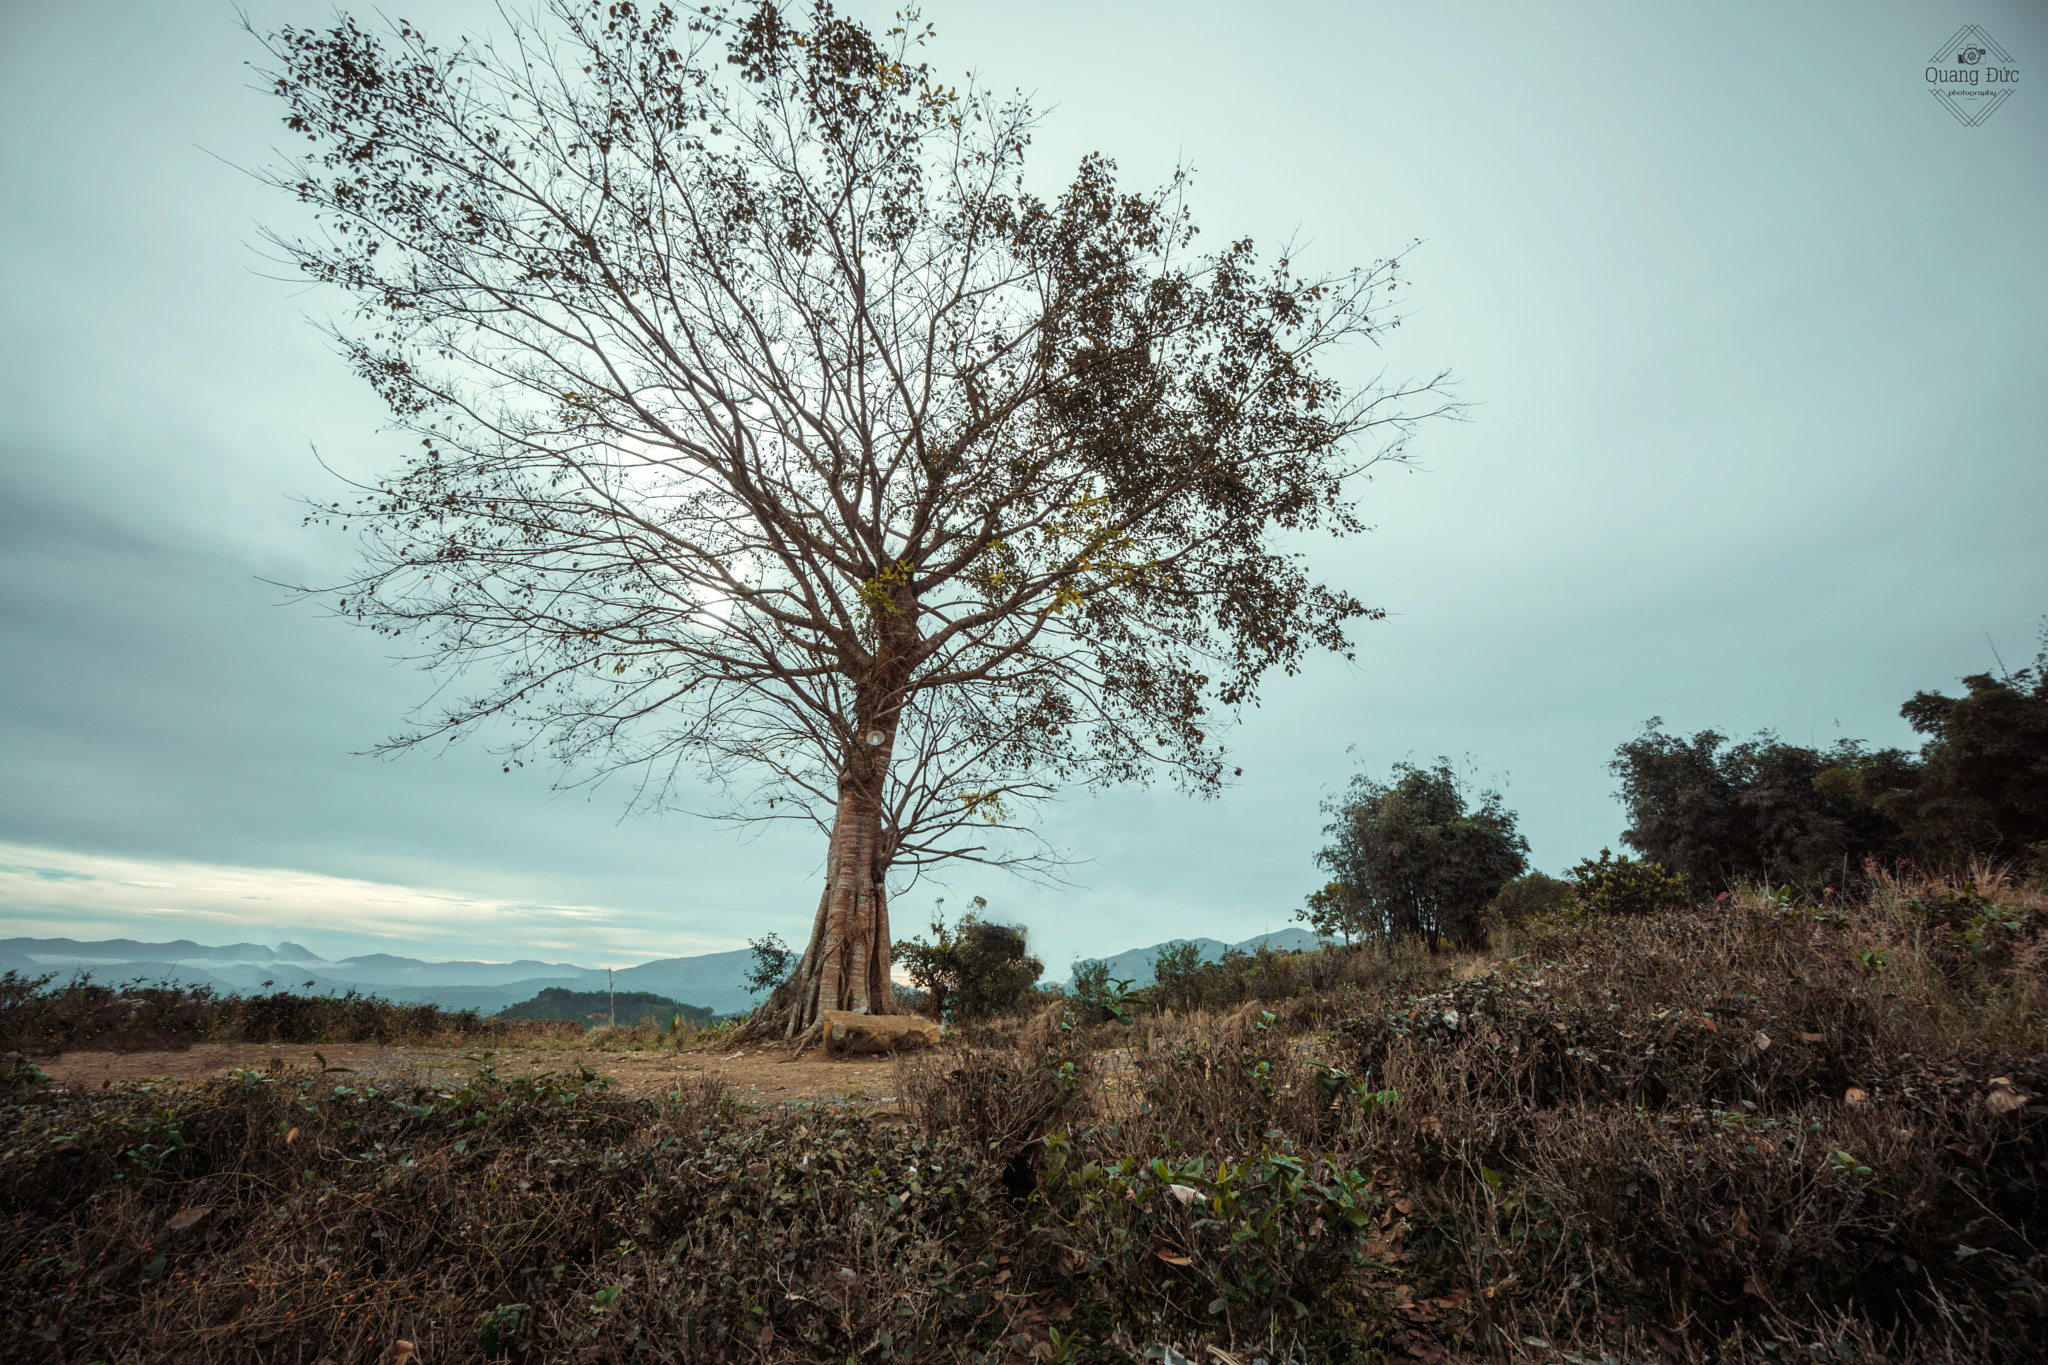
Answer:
(759, 1077)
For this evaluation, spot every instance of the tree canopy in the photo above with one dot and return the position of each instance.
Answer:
(1718, 813)
(1765, 810)
(771, 435)
(1412, 857)
(974, 968)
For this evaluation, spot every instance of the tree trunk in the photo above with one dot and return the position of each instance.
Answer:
(846, 964)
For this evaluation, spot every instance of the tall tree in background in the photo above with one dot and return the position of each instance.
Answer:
(1759, 810)
(1979, 788)
(770, 432)
(1411, 857)
(1762, 809)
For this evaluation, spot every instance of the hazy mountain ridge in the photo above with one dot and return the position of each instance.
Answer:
(715, 981)
(177, 950)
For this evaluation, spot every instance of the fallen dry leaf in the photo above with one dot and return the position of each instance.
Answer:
(187, 1220)
(291, 1137)
(2004, 1096)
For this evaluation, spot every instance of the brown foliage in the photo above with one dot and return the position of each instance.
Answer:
(1757, 1131)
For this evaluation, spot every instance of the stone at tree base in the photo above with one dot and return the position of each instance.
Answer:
(868, 1034)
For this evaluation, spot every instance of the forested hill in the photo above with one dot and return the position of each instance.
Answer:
(625, 1007)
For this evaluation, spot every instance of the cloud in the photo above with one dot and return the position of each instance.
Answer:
(50, 893)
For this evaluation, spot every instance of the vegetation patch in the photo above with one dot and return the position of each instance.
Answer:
(609, 1007)
(1764, 1129)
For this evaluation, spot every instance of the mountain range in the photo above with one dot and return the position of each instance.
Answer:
(716, 981)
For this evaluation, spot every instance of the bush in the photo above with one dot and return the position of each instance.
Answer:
(1529, 897)
(1412, 858)
(1626, 886)
(976, 968)
(40, 1019)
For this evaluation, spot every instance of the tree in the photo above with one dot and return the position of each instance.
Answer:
(1980, 788)
(1335, 912)
(772, 963)
(772, 435)
(1531, 896)
(1784, 813)
(1756, 810)
(1411, 858)
(977, 967)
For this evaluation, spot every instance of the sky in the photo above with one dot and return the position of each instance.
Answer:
(1752, 329)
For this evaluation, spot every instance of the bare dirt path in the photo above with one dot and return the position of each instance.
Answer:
(758, 1078)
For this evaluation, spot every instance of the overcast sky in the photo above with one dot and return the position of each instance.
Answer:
(1753, 330)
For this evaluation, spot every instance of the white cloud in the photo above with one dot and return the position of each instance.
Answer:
(50, 893)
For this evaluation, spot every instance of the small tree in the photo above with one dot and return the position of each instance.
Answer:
(1529, 896)
(1334, 912)
(1413, 859)
(1175, 970)
(772, 963)
(977, 967)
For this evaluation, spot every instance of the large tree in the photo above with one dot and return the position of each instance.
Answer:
(769, 431)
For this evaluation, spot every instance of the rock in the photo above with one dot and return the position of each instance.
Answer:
(869, 1034)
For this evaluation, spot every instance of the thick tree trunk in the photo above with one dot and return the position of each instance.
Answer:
(846, 964)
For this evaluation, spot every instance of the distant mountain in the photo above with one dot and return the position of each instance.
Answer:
(383, 969)
(714, 981)
(1135, 964)
(130, 950)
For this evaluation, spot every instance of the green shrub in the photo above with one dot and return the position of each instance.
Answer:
(1529, 896)
(976, 968)
(1627, 886)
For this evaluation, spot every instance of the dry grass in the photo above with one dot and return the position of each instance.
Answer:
(1755, 1131)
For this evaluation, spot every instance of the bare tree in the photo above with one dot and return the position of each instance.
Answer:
(771, 431)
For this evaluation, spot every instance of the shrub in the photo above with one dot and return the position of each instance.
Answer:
(1529, 896)
(976, 968)
(1412, 858)
(1102, 998)
(40, 1019)
(1626, 886)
